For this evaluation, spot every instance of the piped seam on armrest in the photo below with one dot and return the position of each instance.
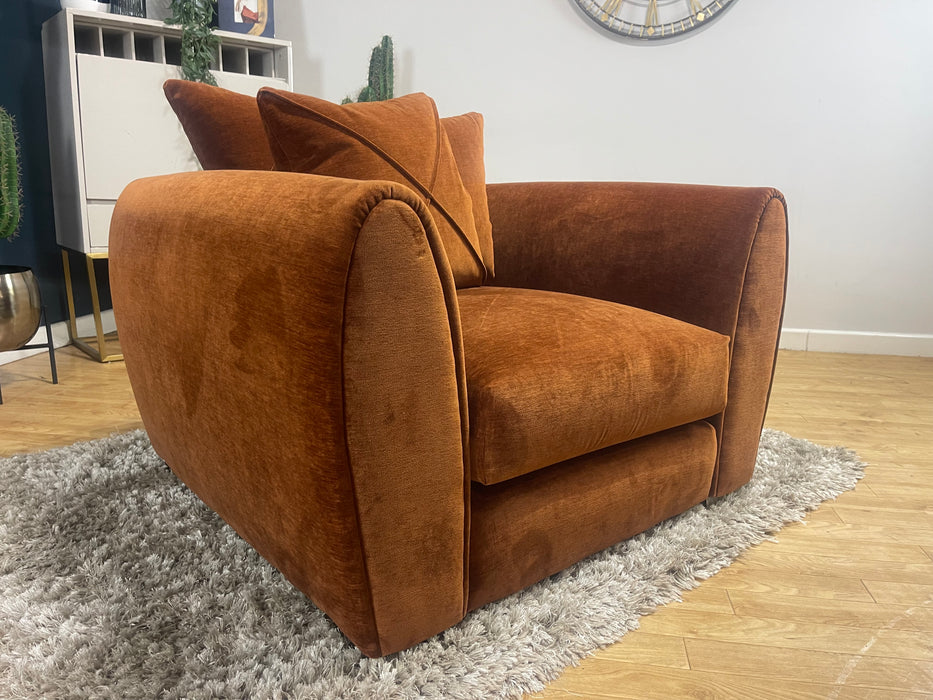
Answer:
(437, 251)
(346, 438)
(718, 421)
(779, 197)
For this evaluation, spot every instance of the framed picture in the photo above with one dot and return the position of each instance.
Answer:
(254, 17)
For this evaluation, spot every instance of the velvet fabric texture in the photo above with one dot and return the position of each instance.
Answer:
(255, 345)
(400, 140)
(553, 376)
(226, 132)
(402, 450)
(223, 127)
(465, 133)
(714, 257)
(754, 348)
(527, 528)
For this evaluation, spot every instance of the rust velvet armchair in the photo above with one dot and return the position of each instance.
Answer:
(407, 432)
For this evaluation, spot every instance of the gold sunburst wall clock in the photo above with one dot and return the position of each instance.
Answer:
(652, 20)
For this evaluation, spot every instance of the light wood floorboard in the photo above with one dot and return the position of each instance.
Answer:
(91, 400)
(840, 606)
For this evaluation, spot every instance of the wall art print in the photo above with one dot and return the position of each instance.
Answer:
(254, 17)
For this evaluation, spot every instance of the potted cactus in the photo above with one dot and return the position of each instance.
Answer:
(20, 301)
(10, 194)
(381, 82)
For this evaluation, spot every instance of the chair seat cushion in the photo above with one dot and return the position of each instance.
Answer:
(553, 376)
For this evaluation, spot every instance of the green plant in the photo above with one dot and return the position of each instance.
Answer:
(381, 85)
(198, 43)
(10, 193)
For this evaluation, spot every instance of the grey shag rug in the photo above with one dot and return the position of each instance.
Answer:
(117, 582)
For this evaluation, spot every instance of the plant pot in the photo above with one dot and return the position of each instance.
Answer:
(20, 306)
(82, 5)
(132, 8)
(85, 5)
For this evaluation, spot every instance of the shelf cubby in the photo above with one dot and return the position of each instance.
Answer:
(148, 47)
(150, 41)
(87, 40)
(116, 43)
(261, 62)
(172, 46)
(233, 59)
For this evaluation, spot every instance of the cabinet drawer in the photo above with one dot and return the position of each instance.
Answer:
(98, 220)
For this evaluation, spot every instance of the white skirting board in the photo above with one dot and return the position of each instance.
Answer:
(857, 342)
(60, 335)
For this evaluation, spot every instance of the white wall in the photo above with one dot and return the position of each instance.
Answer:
(830, 101)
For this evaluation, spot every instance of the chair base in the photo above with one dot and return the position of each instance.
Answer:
(533, 526)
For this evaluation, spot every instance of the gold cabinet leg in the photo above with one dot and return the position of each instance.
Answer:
(72, 323)
(95, 304)
(100, 351)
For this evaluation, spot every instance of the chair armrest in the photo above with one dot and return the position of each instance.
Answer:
(715, 257)
(293, 344)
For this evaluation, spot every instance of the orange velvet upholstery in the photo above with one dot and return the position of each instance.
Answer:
(257, 345)
(311, 355)
(465, 133)
(528, 528)
(226, 132)
(401, 140)
(224, 127)
(715, 257)
(554, 376)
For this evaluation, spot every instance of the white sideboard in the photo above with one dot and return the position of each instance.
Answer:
(109, 121)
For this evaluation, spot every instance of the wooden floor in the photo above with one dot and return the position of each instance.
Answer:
(839, 607)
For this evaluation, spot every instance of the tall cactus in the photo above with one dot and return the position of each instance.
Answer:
(381, 85)
(10, 192)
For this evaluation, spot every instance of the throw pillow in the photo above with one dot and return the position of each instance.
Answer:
(465, 133)
(223, 127)
(401, 140)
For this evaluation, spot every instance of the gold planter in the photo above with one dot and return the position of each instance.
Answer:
(20, 306)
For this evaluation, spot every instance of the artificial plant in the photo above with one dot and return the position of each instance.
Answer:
(381, 85)
(198, 43)
(10, 192)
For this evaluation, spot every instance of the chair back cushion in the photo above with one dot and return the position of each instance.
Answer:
(400, 140)
(465, 133)
(223, 127)
(226, 132)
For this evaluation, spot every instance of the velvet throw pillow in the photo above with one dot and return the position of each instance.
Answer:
(401, 140)
(465, 133)
(223, 127)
